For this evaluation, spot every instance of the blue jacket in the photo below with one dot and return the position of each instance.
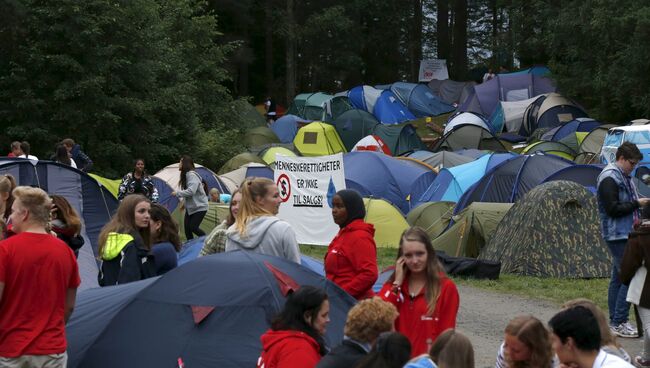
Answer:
(84, 163)
(617, 228)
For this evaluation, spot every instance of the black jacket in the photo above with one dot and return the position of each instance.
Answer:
(125, 259)
(346, 355)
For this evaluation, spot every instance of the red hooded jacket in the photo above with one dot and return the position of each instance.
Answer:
(288, 349)
(414, 321)
(351, 259)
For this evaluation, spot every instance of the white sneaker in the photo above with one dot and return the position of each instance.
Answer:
(625, 329)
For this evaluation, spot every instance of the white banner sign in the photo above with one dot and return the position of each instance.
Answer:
(433, 69)
(306, 186)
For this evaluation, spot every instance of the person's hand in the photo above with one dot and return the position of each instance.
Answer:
(173, 194)
(400, 266)
(643, 201)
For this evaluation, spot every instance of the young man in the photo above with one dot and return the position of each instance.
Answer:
(619, 209)
(576, 340)
(38, 286)
(84, 163)
(15, 149)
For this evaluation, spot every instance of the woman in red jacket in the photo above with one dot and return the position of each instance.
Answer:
(427, 301)
(296, 335)
(351, 259)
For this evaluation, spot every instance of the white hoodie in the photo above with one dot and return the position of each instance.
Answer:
(266, 235)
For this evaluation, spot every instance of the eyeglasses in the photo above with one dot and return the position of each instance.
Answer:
(633, 163)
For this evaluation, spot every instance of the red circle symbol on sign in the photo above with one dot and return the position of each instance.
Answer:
(284, 187)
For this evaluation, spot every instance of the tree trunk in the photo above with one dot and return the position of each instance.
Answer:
(268, 47)
(415, 41)
(495, 33)
(459, 43)
(290, 54)
(442, 30)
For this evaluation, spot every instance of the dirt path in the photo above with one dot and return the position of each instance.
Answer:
(483, 315)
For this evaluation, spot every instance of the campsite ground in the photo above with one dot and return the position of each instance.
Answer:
(487, 305)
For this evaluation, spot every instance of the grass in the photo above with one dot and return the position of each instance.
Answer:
(554, 290)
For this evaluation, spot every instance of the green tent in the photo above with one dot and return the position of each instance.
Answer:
(113, 185)
(260, 136)
(310, 106)
(239, 160)
(388, 222)
(217, 212)
(353, 125)
(472, 229)
(268, 155)
(318, 139)
(589, 152)
(553, 231)
(335, 107)
(552, 148)
(433, 217)
(297, 106)
(248, 114)
(400, 138)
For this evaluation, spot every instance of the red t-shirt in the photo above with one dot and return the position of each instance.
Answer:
(37, 270)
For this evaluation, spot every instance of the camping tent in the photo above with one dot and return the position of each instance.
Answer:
(639, 122)
(451, 92)
(433, 217)
(364, 97)
(420, 100)
(553, 231)
(234, 178)
(505, 87)
(380, 176)
(585, 175)
(400, 138)
(549, 111)
(286, 127)
(472, 229)
(112, 185)
(207, 313)
(468, 136)
(260, 136)
(335, 106)
(389, 223)
(509, 115)
(248, 115)
(170, 174)
(591, 145)
(572, 133)
(310, 106)
(451, 183)
(216, 213)
(353, 125)
(513, 178)
(466, 118)
(238, 160)
(93, 202)
(371, 143)
(318, 139)
(390, 110)
(438, 160)
(268, 155)
(552, 148)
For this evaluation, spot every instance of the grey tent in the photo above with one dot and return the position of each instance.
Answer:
(452, 92)
(433, 217)
(439, 160)
(589, 151)
(352, 125)
(467, 136)
(549, 111)
(553, 231)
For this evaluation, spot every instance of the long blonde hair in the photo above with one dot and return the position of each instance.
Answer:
(251, 190)
(434, 268)
(7, 185)
(532, 333)
(124, 222)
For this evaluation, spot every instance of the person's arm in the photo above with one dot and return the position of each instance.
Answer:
(447, 306)
(608, 194)
(130, 269)
(291, 248)
(364, 262)
(121, 193)
(86, 163)
(70, 299)
(193, 183)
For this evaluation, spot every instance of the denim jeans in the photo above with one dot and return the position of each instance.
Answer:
(619, 309)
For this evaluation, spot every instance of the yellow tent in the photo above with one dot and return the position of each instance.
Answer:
(388, 222)
(113, 185)
(318, 139)
(269, 154)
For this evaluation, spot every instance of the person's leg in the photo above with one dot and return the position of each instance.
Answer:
(195, 222)
(643, 359)
(186, 225)
(617, 291)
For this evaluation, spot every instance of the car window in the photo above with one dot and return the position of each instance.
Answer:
(642, 137)
(613, 138)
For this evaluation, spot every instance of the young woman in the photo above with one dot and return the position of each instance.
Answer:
(296, 335)
(351, 258)
(61, 156)
(426, 299)
(164, 237)
(66, 223)
(138, 182)
(124, 244)
(215, 242)
(7, 185)
(526, 344)
(452, 350)
(391, 350)
(256, 227)
(194, 197)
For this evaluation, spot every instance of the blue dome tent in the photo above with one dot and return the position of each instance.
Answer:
(420, 100)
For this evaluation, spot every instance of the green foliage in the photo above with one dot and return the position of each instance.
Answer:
(136, 78)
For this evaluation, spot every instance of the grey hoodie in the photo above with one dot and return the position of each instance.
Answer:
(195, 198)
(266, 235)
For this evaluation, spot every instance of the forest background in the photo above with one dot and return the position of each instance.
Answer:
(159, 78)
